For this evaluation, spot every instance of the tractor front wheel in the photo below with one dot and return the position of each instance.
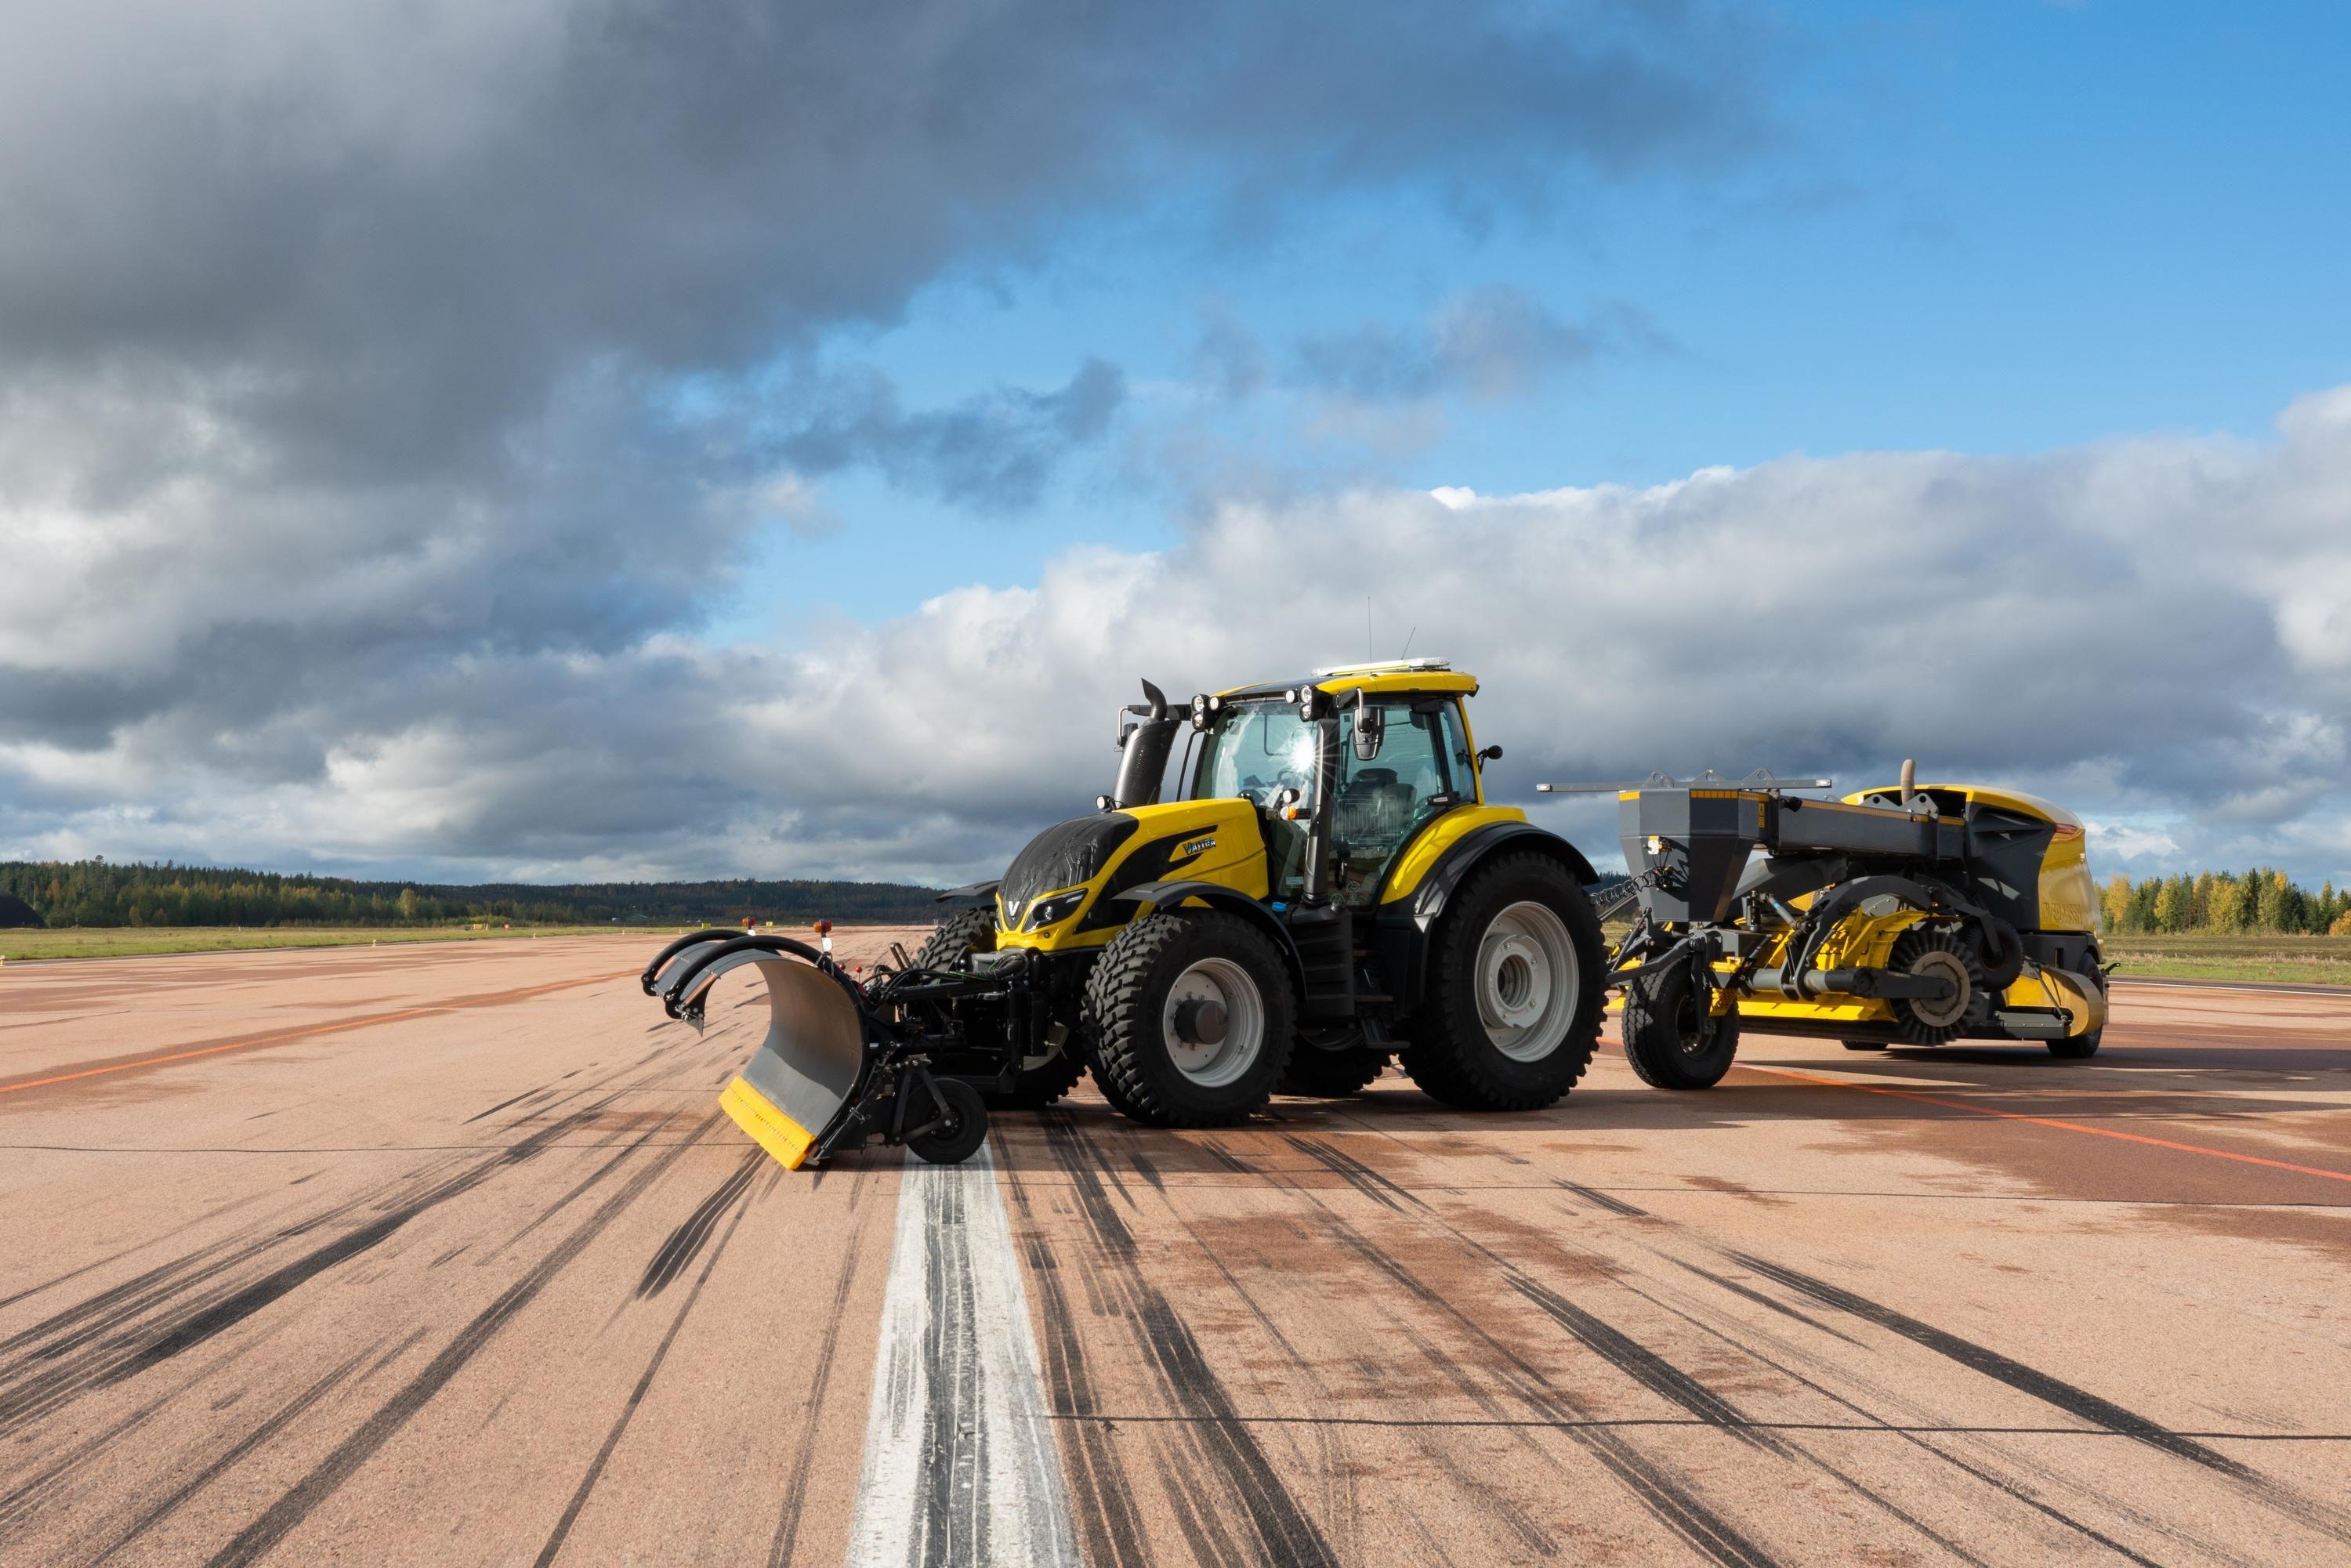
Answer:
(1190, 1013)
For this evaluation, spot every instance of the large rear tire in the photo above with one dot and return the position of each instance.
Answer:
(1041, 1080)
(1672, 1038)
(1190, 1013)
(1511, 1013)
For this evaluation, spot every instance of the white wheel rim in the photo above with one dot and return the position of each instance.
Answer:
(1214, 1064)
(1528, 981)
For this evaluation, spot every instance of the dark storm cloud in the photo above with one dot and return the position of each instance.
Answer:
(1489, 343)
(348, 500)
(993, 452)
(379, 233)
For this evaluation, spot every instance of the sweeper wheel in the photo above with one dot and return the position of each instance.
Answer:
(960, 1137)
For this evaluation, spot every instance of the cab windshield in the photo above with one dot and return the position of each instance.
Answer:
(1254, 750)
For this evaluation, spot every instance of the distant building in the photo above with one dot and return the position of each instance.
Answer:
(15, 912)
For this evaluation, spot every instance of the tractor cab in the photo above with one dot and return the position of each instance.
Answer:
(1359, 757)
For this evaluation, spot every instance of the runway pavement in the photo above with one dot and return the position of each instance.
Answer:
(443, 1254)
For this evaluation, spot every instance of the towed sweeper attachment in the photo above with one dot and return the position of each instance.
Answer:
(834, 1070)
(1907, 915)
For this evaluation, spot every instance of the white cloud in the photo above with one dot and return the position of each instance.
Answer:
(2101, 624)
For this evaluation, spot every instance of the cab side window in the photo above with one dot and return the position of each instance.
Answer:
(1423, 767)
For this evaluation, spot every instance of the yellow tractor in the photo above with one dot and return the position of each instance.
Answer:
(1906, 915)
(1329, 890)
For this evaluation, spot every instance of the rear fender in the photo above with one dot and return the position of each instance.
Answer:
(1407, 924)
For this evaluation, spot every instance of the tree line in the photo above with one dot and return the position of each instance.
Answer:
(2262, 902)
(99, 892)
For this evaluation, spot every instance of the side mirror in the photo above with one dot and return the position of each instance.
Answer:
(1371, 728)
(1492, 754)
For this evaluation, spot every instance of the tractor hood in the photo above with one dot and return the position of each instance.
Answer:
(1111, 852)
(1067, 854)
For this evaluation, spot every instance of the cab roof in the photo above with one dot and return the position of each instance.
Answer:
(1376, 677)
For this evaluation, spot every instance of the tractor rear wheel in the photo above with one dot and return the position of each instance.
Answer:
(1511, 1014)
(1673, 1038)
(1190, 1014)
(1041, 1080)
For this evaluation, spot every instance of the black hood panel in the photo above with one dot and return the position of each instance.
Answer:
(1063, 855)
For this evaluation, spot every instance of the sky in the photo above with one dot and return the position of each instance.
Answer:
(513, 440)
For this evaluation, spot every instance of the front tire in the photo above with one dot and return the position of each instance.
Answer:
(1191, 1013)
(1672, 1037)
(1512, 1015)
(958, 1137)
(1039, 1080)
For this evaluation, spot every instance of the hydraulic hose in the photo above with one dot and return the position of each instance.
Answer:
(708, 933)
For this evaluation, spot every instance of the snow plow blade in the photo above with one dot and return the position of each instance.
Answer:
(800, 1088)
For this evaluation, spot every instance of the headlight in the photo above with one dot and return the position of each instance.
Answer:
(1053, 910)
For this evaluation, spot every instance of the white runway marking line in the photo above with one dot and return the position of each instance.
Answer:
(961, 1465)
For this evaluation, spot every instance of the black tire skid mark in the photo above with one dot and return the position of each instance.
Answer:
(1217, 1150)
(1678, 1387)
(126, 1340)
(578, 1189)
(1362, 1177)
(1748, 1293)
(2081, 1404)
(121, 1304)
(1284, 1533)
(328, 1476)
(1674, 1384)
(1918, 1431)
(1104, 1498)
(275, 1422)
(7, 1302)
(578, 1500)
(679, 1250)
(503, 1104)
(1332, 1464)
(1643, 1366)
(2078, 1403)
(1861, 1490)
(1667, 1495)
(42, 1486)
(1609, 1201)
(787, 1521)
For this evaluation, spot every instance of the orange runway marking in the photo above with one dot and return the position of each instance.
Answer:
(2053, 1122)
(366, 1021)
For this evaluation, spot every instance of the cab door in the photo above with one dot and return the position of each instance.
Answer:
(1422, 769)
